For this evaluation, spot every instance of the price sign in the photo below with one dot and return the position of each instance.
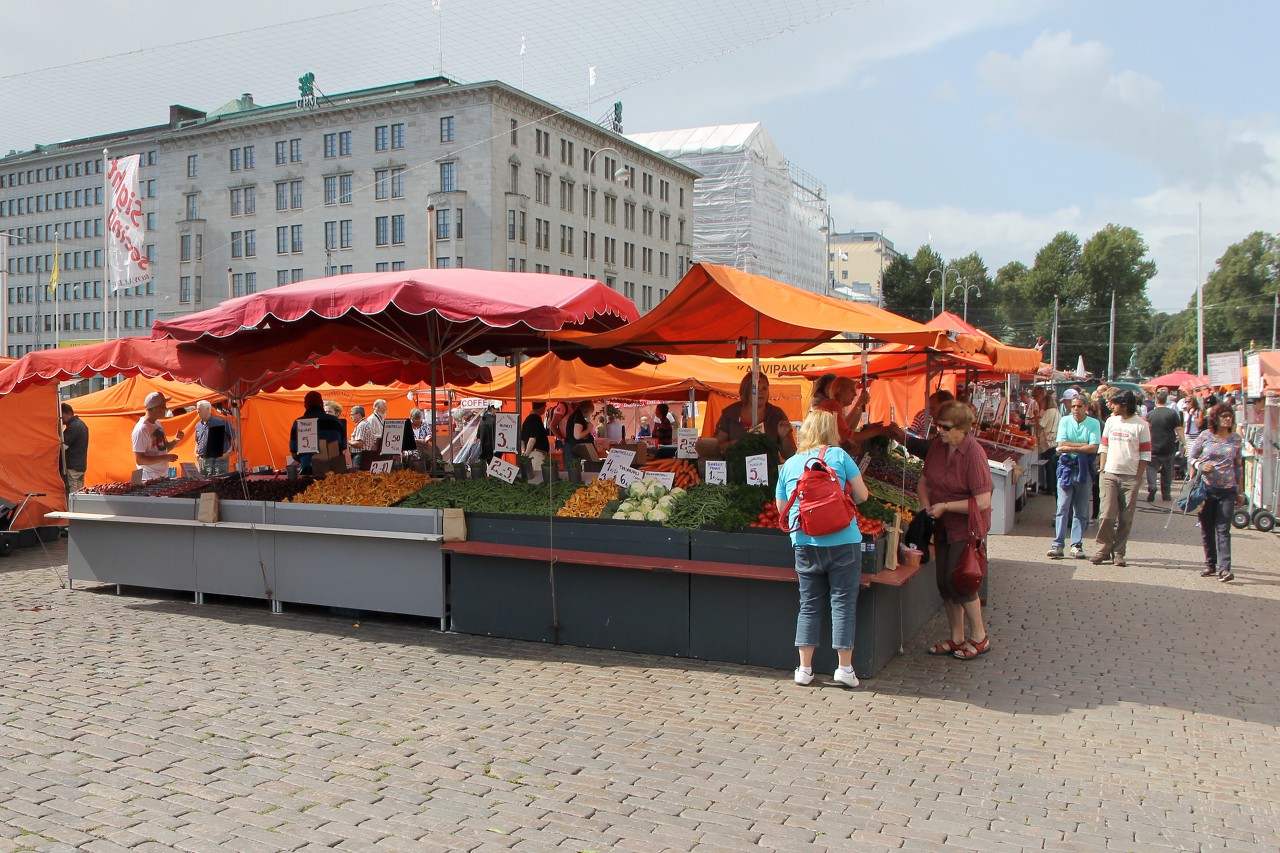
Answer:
(609, 470)
(393, 437)
(500, 469)
(381, 467)
(624, 477)
(686, 443)
(758, 470)
(666, 478)
(716, 471)
(621, 457)
(308, 435)
(190, 471)
(505, 439)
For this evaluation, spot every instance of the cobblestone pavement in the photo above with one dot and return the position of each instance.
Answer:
(1127, 709)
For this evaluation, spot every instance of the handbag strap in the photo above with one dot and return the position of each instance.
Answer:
(973, 519)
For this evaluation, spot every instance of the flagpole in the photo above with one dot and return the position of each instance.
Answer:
(54, 282)
(106, 246)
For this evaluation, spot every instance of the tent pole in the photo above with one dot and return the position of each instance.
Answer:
(435, 362)
(517, 356)
(755, 372)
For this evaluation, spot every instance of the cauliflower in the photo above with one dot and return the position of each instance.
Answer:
(677, 492)
(619, 515)
(646, 505)
(639, 488)
(627, 506)
(665, 502)
(635, 516)
(657, 515)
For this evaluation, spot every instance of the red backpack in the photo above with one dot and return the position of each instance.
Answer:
(825, 508)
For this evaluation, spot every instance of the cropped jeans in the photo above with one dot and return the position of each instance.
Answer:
(1215, 528)
(1073, 513)
(828, 572)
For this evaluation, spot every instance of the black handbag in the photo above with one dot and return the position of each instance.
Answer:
(920, 533)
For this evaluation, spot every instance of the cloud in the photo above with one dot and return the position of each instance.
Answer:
(1069, 90)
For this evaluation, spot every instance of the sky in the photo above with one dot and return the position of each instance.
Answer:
(985, 125)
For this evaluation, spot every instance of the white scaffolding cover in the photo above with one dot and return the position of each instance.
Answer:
(751, 208)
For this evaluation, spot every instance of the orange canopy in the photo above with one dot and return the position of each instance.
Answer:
(715, 310)
(30, 452)
(548, 377)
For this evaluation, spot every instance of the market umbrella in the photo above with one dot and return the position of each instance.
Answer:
(1176, 380)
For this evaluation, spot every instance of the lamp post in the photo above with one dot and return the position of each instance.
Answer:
(826, 229)
(587, 198)
(942, 273)
(967, 288)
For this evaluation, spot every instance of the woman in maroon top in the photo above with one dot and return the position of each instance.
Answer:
(955, 470)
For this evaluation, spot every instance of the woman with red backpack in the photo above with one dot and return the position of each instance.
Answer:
(828, 561)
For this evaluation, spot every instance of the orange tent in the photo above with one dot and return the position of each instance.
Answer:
(30, 453)
(717, 311)
(265, 419)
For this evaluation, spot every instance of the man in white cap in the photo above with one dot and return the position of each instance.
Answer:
(150, 447)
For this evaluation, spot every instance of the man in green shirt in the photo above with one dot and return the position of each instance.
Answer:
(1078, 439)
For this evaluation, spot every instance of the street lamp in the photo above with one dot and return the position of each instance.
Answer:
(590, 195)
(943, 274)
(826, 229)
(967, 288)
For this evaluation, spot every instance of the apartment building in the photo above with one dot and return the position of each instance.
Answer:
(857, 261)
(428, 173)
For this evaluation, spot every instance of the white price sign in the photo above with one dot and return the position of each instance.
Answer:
(381, 467)
(190, 471)
(609, 470)
(621, 458)
(758, 470)
(393, 437)
(500, 469)
(686, 443)
(308, 435)
(716, 472)
(1224, 368)
(505, 439)
(666, 478)
(624, 477)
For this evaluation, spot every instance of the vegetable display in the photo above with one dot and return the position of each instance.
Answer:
(493, 496)
(648, 500)
(723, 507)
(590, 500)
(362, 488)
(751, 444)
(686, 470)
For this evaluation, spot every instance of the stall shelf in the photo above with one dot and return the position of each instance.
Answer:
(363, 558)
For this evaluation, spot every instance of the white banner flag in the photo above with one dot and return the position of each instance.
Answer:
(127, 262)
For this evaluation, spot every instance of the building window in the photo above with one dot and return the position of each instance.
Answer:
(282, 277)
(193, 206)
(295, 275)
(523, 224)
(250, 201)
(515, 178)
(381, 266)
(282, 153)
(444, 263)
(344, 143)
(381, 139)
(237, 284)
(344, 189)
(566, 152)
(566, 195)
(542, 141)
(664, 226)
(380, 186)
(295, 194)
(629, 215)
(236, 161)
(184, 289)
(331, 235)
(330, 145)
(397, 183)
(446, 177)
(344, 231)
(193, 165)
(381, 230)
(251, 243)
(542, 187)
(331, 189)
(515, 126)
(237, 244)
(566, 240)
(295, 150)
(282, 195)
(295, 238)
(237, 202)
(610, 209)
(282, 240)
(184, 247)
(446, 129)
(397, 136)
(443, 221)
(248, 157)
(511, 224)
(397, 229)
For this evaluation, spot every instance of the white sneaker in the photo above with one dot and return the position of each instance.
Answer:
(1054, 553)
(847, 678)
(1077, 552)
(803, 677)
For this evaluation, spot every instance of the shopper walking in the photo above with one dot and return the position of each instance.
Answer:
(1122, 459)
(1078, 438)
(1166, 438)
(830, 566)
(1218, 455)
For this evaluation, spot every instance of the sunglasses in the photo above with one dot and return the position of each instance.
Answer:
(947, 427)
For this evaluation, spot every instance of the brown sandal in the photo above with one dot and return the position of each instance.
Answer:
(945, 647)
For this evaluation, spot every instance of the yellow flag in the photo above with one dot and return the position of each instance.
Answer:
(53, 276)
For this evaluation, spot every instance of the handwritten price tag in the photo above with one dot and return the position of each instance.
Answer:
(500, 469)
(393, 437)
(716, 472)
(758, 470)
(686, 443)
(621, 457)
(381, 467)
(624, 477)
(308, 436)
(505, 439)
(609, 469)
(666, 478)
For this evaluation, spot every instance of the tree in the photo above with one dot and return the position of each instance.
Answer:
(970, 272)
(1239, 294)
(906, 288)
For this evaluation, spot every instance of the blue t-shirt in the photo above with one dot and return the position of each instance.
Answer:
(789, 476)
(1088, 431)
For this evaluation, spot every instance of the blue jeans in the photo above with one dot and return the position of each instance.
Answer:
(834, 573)
(1073, 512)
(1215, 528)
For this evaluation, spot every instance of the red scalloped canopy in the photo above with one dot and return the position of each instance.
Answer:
(434, 311)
